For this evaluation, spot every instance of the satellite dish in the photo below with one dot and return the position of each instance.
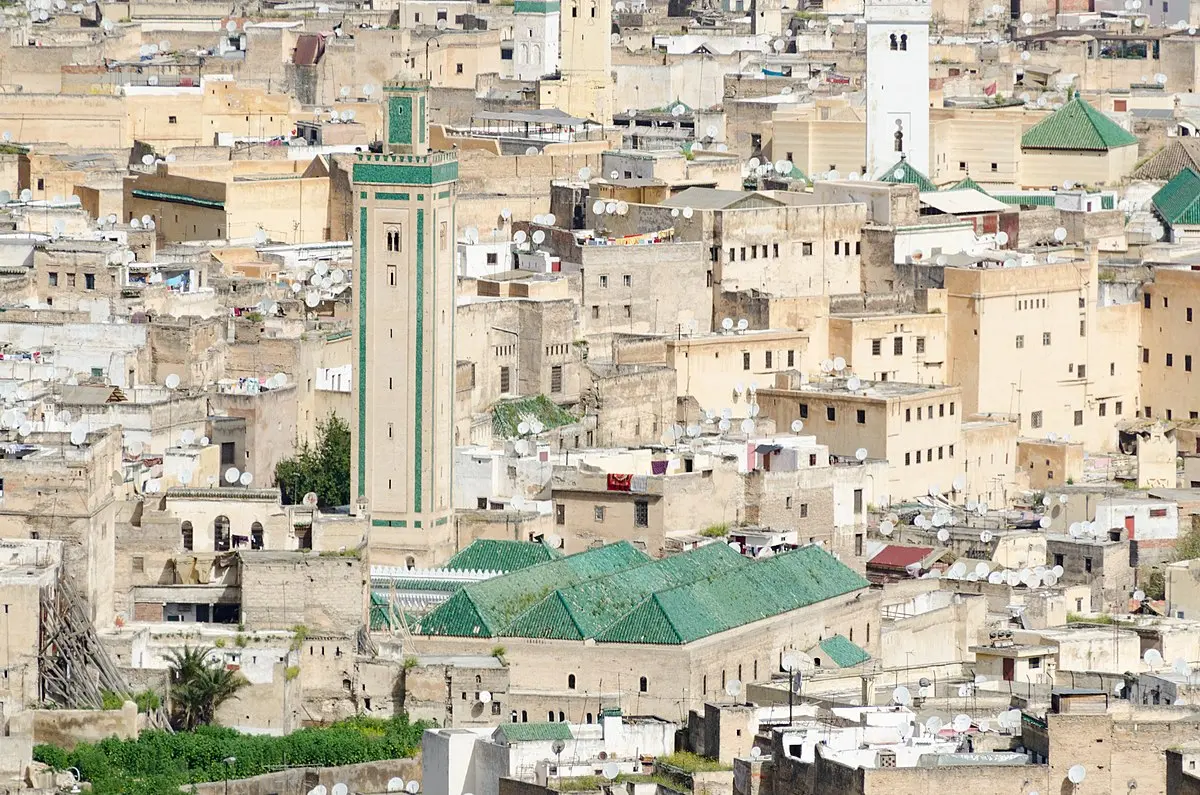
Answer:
(171, 381)
(733, 688)
(246, 479)
(1044, 522)
(188, 436)
(747, 426)
(310, 500)
(902, 696)
(986, 536)
(1153, 657)
(611, 770)
(1060, 234)
(886, 528)
(232, 474)
(934, 724)
(687, 212)
(1076, 774)
(943, 535)
(861, 454)
(797, 426)
(412, 787)
(1139, 595)
(961, 722)
(78, 435)
(853, 383)
(339, 789)
(395, 784)
(147, 160)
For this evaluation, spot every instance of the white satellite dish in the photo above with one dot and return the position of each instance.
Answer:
(246, 479)
(943, 535)
(413, 787)
(797, 426)
(1139, 595)
(171, 381)
(232, 474)
(1060, 234)
(747, 425)
(339, 789)
(886, 528)
(733, 688)
(188, 436)
(961, 722)
(861, 454)
(78, 435)
(395, 784)
(853, 383)
(1153, 657)
(1076, 774)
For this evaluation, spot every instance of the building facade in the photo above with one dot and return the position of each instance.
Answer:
(897, 83)
(403, 430)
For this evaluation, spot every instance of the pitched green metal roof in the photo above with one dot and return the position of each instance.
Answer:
(1178, 202)
(490, 555)
(590, 607)
(1077, 125)
(903, 173)
(1107, 200)
(485, 609)
(532, 732)
(735, 598)
(968, 184)
(844, 653)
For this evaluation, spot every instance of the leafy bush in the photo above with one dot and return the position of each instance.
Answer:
(690, 763)
(715, 530)
(158, 762)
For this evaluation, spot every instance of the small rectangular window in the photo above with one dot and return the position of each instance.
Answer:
(1170, 360)
(831, 413)
(1020, 340)
(791, 358)
(1145, 356)
(560, 513)
(861, 416)
(1045, 338)
(1145, 300)
(803, 411)
(898, 346)
(1117, 408)
(806, 249)
(1189, 314)
(53, 277)
(1079, 417)
(1103, 409)
(746, 360)
(1087, 565)
(767, 359)
(627, 279)
(172, 120)
(641, 513)
(556, 373)
(505, 382)
(804, 510)
(1035, 419)
(604, 281)
(598, 513)
(920, 344)
(907, 459)
(876, 347)
(1187, 362)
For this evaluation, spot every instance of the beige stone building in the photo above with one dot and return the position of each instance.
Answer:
(1019, 338)
(289, 200)
(892, 347)
(59, 491)
(1168, 349)
(915, 427)
(614, 624)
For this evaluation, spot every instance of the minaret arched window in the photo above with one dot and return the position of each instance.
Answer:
(904, 41)
(895, 45)
(899, 141)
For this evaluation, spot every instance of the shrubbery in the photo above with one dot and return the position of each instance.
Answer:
(158, 762)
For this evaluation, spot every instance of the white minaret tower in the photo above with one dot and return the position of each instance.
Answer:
(897, 83)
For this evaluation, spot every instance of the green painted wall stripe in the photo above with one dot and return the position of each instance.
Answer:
(419, 360)
(444, 194)
(421, 121)
(177, 198)
(389, 523)
(385, 173)
(362, 351)
(403, 197)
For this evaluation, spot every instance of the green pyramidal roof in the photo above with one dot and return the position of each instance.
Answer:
(1178, 202)
(484, 609)
(902, 172)
(968, 184)
(588, 608)
(490, 555)
(1077, 125)
(735, 598)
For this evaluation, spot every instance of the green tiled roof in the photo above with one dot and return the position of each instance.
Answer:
(735, 598)
(616, 594)
(1077, 125)
(590, 607)
(533, 732)
(1178, 202)
(903, 173)
(844, 653)
(1107, 200)
(968, 184)
(485, 609)
(488, 555)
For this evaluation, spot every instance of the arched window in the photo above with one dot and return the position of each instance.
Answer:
(550, 716)
(524, 716)
(185, 530)
(851, 634)
(410, 562)
(589, 717)
(562, 718)
(537, 54)
(593, 6)
(868, 632)
(899, 141)
(256, 535)
(478, 679)
(816, 662)
(643, 685)
(904, 41)
(570, 681)
(895, 45)
(524, 57)
(221, 534)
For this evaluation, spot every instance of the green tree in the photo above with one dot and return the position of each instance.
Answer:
(1187, 547)
(199, 685)
(323, 467)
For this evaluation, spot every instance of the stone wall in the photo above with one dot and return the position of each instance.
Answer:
(322, 592)
(365, 777)
(68, 727)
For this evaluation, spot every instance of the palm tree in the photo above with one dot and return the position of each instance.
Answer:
(199, 685)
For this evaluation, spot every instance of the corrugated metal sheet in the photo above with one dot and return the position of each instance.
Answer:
(309, 49)
(895, 556)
